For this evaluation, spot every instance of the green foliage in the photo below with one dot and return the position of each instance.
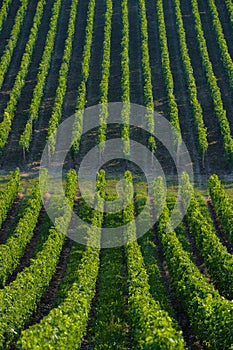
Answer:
(222, 204)
(4, 11)
(192, 88)
(12, 251)
(218, 261)
(14, 35)
(125, 79)
(146, 70)
(19, 299)
(105, 75)
(8, 195)
(5, 125)
(149, 252)
(229, 6)
(62, 80)
(222, 44)
(210, 314)
(109, 325)
(212, 81)
(42, 74)
(165, 58)
(152, 327)
(65, 325)
(81, 100)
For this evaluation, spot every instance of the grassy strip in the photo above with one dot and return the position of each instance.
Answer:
(110, 319)
(109, 325)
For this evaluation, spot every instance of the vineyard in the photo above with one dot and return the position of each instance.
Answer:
(168, 288)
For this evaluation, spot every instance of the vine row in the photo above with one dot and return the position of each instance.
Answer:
(14, 35)
(210, 314)
(19, 299)
(42, 74)
(12, 251)
(212, 81)
(5, 126)
(62, 327)
(8, 195)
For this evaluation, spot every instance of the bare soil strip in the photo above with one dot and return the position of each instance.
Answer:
(115, 57)
(135, 67)
(93, 83)
(74, 75)
(159, 90)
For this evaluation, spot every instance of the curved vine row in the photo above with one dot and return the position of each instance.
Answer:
(222, 204)
(62, 327)
(12, 251)
(218, 261)
(19, 299)
(210, 314)
(152, 327)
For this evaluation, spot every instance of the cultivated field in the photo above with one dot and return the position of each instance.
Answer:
(170, 288)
